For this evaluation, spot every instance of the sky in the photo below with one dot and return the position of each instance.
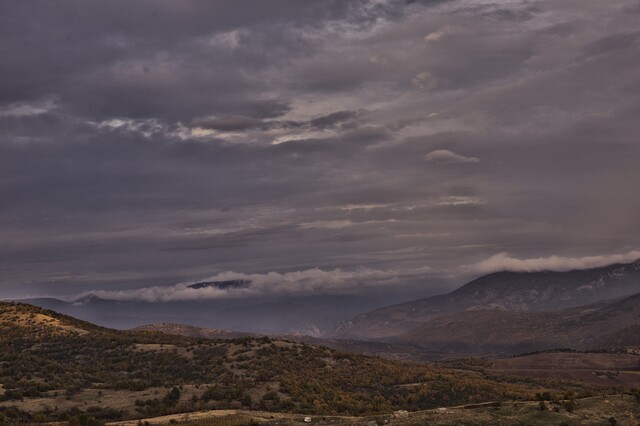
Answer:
(313, 147)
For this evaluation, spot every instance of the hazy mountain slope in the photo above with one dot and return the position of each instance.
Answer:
(282, 315)
(513, 291)
(622, 338)
(499, 332)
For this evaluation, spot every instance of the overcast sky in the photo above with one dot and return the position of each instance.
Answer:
(336, 144)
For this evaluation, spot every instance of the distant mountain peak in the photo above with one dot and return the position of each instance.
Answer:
(221, 285)
(88, 298)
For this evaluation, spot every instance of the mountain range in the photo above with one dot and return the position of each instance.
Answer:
(509, 313)
(501, 292)
(603, 326)
(503, 313)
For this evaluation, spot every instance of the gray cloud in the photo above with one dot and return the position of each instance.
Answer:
(228, 124)
(333, 119)
(238, 123)
(444, 156)
(153, 143)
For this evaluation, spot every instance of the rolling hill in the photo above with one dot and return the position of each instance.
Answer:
(394, 351)
(191, 331)
(57, 368)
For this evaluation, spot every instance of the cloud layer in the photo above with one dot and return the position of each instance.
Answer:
(505, 262)
(444, 156)
(308, 282)
(154, 142)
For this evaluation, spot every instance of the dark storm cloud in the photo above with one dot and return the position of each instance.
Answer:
(228, 124)
(153, 142)
(159, 59)
(611, 43)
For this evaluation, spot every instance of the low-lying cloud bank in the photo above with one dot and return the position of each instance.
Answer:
(310, 281)
(338, 281)
(505, 262)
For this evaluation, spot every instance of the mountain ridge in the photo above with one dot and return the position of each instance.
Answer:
(504, 290)
(601, 326)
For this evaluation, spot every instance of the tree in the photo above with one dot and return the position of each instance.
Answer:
(173, 396)
(246, 400)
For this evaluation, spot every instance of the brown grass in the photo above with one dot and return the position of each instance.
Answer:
(588, 412)
(619, 370)
(24, 319)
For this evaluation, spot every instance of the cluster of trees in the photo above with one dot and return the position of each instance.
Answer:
(92, 416)
(568, 400)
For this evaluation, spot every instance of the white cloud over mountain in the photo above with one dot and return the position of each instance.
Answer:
(311, 281)
(505, 262)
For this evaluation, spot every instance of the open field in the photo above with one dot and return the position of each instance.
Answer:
(604, 369)
(588, 411)
(601, 410)
(238, 417)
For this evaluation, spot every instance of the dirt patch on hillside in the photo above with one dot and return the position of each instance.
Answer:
(39, 321)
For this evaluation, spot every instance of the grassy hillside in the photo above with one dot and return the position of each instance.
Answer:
(62, 368)
(192, 331)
